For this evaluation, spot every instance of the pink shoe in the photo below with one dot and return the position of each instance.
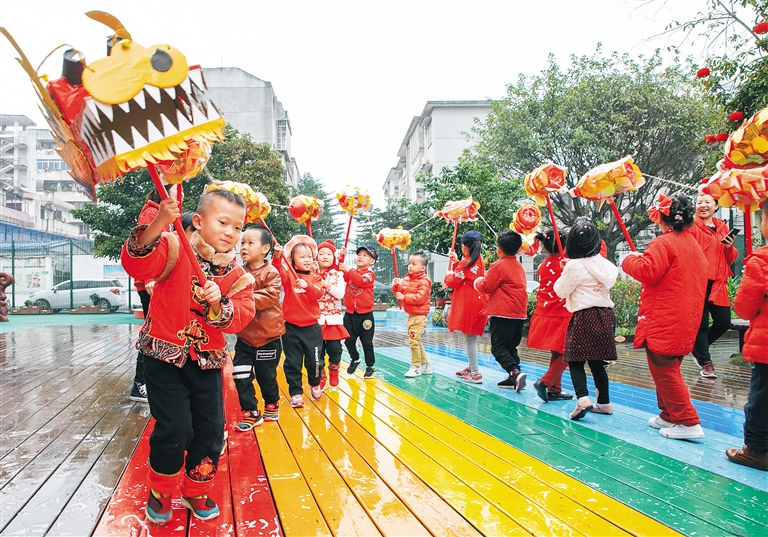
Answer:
(463, 372)
(473, 378)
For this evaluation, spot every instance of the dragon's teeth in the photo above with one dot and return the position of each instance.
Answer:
(197, 116)
(92, 107)
(121, 146)
(125, 107)
(186, 86)
(106, 109)
(153, 133)
(138, 139)
(196, 76)
(212, 112)
(184, 123)
(154, 92)
(139, 99)
(168, 127)
(171, 92)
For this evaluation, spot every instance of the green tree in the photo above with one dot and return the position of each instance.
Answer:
(736, 56)
(237, 158)
(329, 225)
(497, 198)
(397, 213)
(596, 110)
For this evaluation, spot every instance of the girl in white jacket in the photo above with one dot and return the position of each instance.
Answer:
(585, 285)
(331, 321)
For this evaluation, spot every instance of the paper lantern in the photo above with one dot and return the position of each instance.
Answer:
(544, 180)
(744, 189)
(256, 205)
(455, 212)
(188, 164)
(353, 200)
(761, 28)
(736, 116)
(394, 238)
(607, 180)
(747, 147)
(305, 209)
(526, 222)
(704, 72)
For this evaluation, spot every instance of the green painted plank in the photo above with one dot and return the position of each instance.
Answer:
(686, 498)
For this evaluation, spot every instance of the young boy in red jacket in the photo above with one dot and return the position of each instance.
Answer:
(507, 307)
(752, 303)
(414, 291)
(183, 336)
(258, 347)
(358, 303)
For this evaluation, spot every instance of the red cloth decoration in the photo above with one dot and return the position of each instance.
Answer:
(761, 28)
(704, 72)
(662, 207)
(710, 138)
(736, 116)
(723, 136)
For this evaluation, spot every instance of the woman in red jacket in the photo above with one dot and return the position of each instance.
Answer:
(466, 302)
(674, 277)
(711, 233)
(751, 303)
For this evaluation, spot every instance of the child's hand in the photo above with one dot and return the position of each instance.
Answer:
(169, 211)
(343, 268)
(325, 285)
(301, 284)
(452, 256)
(343, 252)
(149, 287)
(397, 281)
(211, 292)
(399, 296)
(563, 261)
(278, 251)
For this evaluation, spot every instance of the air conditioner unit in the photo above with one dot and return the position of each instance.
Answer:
(58, 215)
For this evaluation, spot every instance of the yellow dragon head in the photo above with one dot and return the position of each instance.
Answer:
(138, 106)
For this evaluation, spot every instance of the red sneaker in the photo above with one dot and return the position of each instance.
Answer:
(322, 380)
(333, 373)
(158, 507)
(202, 507)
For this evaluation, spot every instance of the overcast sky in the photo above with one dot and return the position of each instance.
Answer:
(351, 74)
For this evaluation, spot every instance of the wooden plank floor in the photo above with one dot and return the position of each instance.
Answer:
(391, 456)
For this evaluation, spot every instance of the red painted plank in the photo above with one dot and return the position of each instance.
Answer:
(255, 512)
(124, 514)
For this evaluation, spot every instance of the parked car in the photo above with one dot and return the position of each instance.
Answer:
(112, 295)
(531, 286)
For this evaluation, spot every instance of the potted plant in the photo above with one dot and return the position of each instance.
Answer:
(95, 298)
(440, 294)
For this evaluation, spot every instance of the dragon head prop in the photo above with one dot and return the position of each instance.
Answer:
(138, 106)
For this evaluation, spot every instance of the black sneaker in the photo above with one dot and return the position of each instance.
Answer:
(508, 383)
(138, 393)
(353, 367)
(541, 391)
(515, 381)
(520, 379)
(559, 396)
(370, 372)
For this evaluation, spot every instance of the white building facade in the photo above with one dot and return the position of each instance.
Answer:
(250, 105)
(434, 140)
(36, 190)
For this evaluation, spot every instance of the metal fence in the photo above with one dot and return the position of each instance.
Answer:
(64, 275)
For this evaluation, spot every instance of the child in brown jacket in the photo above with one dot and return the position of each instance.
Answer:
(258, 347)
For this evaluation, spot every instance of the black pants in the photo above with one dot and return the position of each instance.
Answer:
(505, 337)
(302, 346)
(707, 335)
(599, 375)
(138, 376)
(756, 409)
(260, 363)
(187, 404)
(360, 325)
(333, 349)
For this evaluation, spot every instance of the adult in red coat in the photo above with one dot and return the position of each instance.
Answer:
(673, 271)
(751, 303)
(466, 302)
(710, 232)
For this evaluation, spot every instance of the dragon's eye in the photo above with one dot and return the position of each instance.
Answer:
(169, 67)
(161, 61)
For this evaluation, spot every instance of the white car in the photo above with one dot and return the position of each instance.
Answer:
(112, 295)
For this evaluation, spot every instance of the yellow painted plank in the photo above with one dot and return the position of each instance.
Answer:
(437, 515)
(535, 479)
(534, 517)
(340, 507)
(468, 502)
(299, 513)
(382, 505)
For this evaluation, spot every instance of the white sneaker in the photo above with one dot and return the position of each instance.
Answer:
(414, 371)
(681, 432)
(657, 423)
(426, 369)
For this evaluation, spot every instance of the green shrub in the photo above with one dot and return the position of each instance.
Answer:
(626, 299)
(94, 298)
(531, 307)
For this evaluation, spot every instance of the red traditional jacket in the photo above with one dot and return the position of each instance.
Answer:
(179, 323)
(417, 288)
(751, 303)
(720, 258)
(673, 271)
(300, 305)
(466, 301)
(547, 301)
(358, 297)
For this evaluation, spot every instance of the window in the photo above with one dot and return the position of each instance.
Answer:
(282, 135)
(64, 286)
